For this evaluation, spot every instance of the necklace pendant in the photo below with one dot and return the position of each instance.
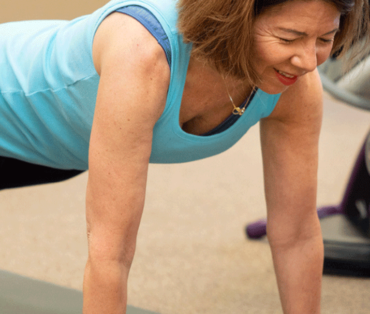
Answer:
(238, 111)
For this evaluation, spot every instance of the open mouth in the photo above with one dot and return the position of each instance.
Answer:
(286, 74)
(285, 78)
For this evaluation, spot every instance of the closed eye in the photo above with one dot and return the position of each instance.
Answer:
(289, 41)
(286, 41)
(327, 40)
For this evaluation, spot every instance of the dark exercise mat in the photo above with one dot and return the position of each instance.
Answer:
(347, 249)
(22, 295)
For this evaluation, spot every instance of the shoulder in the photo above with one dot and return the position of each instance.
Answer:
(129, 59)
(301, 101)
(121, 39)
(133, 70)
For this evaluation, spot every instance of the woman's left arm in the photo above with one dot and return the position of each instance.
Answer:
(289, 138)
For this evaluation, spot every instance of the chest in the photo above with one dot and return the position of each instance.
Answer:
(205, 106)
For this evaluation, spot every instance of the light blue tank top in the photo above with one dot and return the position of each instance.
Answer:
(48, 87)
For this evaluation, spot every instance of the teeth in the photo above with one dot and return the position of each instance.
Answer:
(286, 75)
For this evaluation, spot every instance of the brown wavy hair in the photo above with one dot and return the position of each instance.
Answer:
(221, 31)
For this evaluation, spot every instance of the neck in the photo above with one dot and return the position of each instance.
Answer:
(211, 81)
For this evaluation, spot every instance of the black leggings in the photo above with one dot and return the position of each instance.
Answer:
(15, 173)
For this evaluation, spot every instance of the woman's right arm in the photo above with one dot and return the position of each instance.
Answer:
(134, 79)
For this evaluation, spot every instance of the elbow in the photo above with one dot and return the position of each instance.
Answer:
(287, 236)
(103, 252)
(308, 245)
(100, 258)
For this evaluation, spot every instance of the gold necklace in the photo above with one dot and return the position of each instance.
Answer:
(238, 111)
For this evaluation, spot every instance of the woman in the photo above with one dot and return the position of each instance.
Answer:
(115, 90)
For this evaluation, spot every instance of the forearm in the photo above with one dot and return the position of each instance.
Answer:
(105, 287)
(112, 231)
(298, 268)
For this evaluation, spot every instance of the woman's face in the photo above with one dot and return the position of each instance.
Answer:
(291, 40)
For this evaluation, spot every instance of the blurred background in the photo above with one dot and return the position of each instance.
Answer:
(192, 254)
(18, 10)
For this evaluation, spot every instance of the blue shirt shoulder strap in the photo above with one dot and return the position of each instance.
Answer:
(150, 22)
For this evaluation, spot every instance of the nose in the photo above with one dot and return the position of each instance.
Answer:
(305, 58)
